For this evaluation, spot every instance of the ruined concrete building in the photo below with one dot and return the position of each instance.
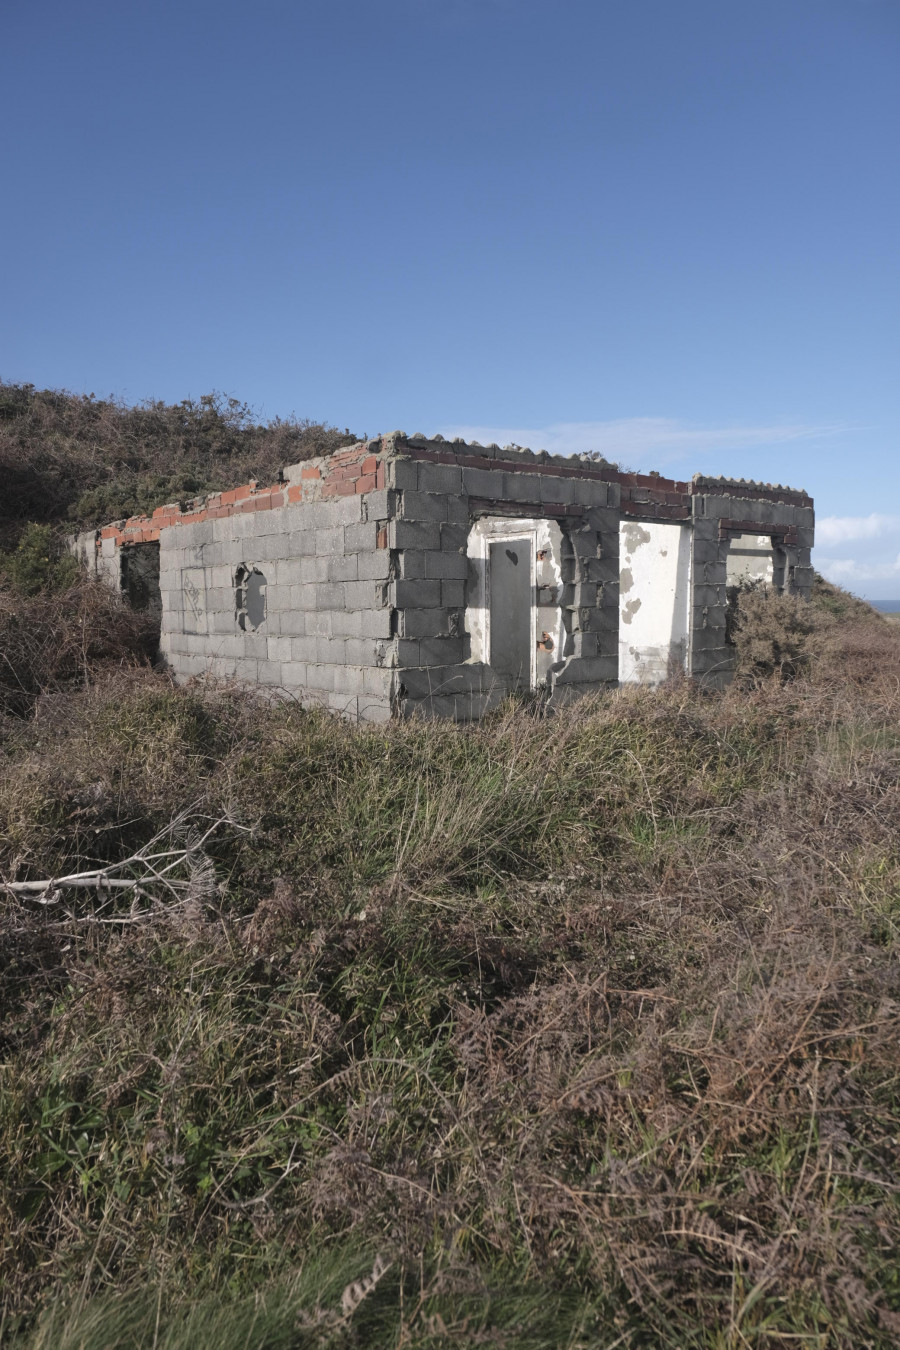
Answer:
(407, 575)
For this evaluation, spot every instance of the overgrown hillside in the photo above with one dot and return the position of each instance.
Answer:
(579, 1031)
(82, 460)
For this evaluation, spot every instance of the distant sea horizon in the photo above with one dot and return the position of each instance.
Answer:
(886, 606)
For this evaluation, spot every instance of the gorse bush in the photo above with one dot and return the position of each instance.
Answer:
(566, 1031)
(59, 628)
(87, 461)
(38, 562)
(775, 635)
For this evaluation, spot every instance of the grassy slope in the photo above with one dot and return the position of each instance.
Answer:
(568, 1032)
(586, 1027)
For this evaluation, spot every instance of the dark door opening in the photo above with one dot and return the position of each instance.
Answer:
(510, 607)
(140, 580)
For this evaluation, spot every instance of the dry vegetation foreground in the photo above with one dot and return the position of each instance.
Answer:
(570, 1031)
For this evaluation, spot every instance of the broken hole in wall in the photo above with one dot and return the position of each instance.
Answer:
(249, 597)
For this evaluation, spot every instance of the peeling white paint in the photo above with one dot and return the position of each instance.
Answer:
(654, 600)
(546, 615)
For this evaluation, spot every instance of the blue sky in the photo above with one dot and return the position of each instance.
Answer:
(667, 231)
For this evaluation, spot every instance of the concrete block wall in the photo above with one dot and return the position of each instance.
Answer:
(100, 556)
(442, 487)
(364, 556)
(327, 625)
(721, 509)
(320, 540)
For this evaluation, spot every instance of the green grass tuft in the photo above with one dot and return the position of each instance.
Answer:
(568, 1031)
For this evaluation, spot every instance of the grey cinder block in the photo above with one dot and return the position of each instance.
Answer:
(459, 679)
(483, 483)
(279, 648)
(361, 538)
(347, 679)
(585, 644)
(557, 489)
(293, 674)
(246, 668)
(417, 594)
(361, 651)
(707, 551)
(301, 542)
(423, 506)
(376, 624)
(588, 670)
(453, 594)
(319, 622)
(428, 622)
(347, 623)
(454, 537)
(414, 534)
(710, 596)
(403, 473)
(440, 651)
(441, 478)
(378, 681)
(590, 493)
(330, 541)
(332, 651)
(411, 563)
(329, 595)
(380, 505)
(451, 566)
(584, 593)
(304, 650)
(374, 566)
(370, 708)
(293, 622)
(321, 677)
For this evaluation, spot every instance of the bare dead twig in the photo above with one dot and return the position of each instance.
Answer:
(49, 891)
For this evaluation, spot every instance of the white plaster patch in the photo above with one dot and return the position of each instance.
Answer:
(654, 600)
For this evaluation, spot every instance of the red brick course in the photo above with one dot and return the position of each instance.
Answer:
(354, 470)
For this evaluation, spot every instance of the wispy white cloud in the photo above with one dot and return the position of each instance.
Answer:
(863, 552)
(832, 530)
(848, 571)
(634, 438)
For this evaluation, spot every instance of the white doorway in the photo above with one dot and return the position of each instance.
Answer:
(654, 600)
(514, 599)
